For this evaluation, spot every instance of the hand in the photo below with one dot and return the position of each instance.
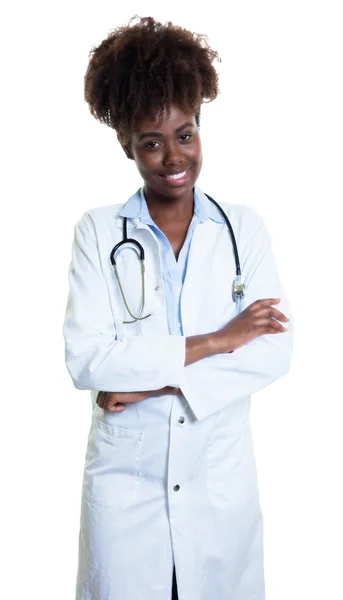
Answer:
(116, 401)
(259, 318)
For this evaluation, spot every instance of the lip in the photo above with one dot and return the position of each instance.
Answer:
(176, 182)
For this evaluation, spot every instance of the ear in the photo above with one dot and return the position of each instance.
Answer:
(125, 147)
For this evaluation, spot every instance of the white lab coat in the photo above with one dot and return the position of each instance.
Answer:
(134, 524)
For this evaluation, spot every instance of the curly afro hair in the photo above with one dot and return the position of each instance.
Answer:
(144, 68)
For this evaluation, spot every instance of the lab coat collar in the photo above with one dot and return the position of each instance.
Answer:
(137, 213)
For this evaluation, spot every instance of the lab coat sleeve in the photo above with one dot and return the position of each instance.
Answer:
(216, 382)
(95, 358)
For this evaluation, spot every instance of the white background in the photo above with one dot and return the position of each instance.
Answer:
(273, 140)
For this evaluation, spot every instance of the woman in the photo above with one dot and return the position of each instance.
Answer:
(171, 356)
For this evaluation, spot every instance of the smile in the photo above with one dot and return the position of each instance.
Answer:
(177, 178)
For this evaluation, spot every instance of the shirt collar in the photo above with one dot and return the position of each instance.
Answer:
(137, 208)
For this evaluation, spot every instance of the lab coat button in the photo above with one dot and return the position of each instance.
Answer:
(181, 420)
(176, 488)
(157, 288)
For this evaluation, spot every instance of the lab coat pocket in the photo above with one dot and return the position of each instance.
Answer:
(111, 476)
(231, 469)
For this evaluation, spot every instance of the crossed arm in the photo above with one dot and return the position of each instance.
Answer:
(242, 365)
(116, 401)
(197, 347)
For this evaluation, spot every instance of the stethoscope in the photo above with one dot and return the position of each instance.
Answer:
(238, 288)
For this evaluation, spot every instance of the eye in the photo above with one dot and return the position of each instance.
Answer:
(150, 145)
(186, 137)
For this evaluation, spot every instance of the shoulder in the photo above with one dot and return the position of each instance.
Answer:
(249, 228)
(99, 216)
(243, 218)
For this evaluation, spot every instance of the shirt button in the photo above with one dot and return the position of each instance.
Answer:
(178, 324)
(176, 488)
(181, 420)
(157, 288)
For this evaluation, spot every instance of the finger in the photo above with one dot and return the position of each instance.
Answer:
(263, 302)
(277, 314)
(269, 311)
(118, 407)
(270, 325)
(111, 400)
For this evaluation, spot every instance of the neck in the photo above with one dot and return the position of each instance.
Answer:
(163, 209)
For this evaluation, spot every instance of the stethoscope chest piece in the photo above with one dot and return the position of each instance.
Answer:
(238, 289)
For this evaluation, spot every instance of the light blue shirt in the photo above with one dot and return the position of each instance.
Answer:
(173, 271)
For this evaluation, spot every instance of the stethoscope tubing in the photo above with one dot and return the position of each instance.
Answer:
(233, 239)
(238, 288)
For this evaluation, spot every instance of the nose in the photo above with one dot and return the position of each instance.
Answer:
(173, 154)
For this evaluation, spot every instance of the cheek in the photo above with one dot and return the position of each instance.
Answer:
(197, 153)
(198, 159)
(147, 164)
(200, 152)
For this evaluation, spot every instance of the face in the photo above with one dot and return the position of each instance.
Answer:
(167, 154)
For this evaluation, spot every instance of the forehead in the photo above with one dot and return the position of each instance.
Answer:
(168, 122)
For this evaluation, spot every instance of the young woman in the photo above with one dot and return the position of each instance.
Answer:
(170, 352)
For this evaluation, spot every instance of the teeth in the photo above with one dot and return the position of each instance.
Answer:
(178, 176)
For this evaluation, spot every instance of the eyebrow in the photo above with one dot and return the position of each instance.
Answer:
(159, 134)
